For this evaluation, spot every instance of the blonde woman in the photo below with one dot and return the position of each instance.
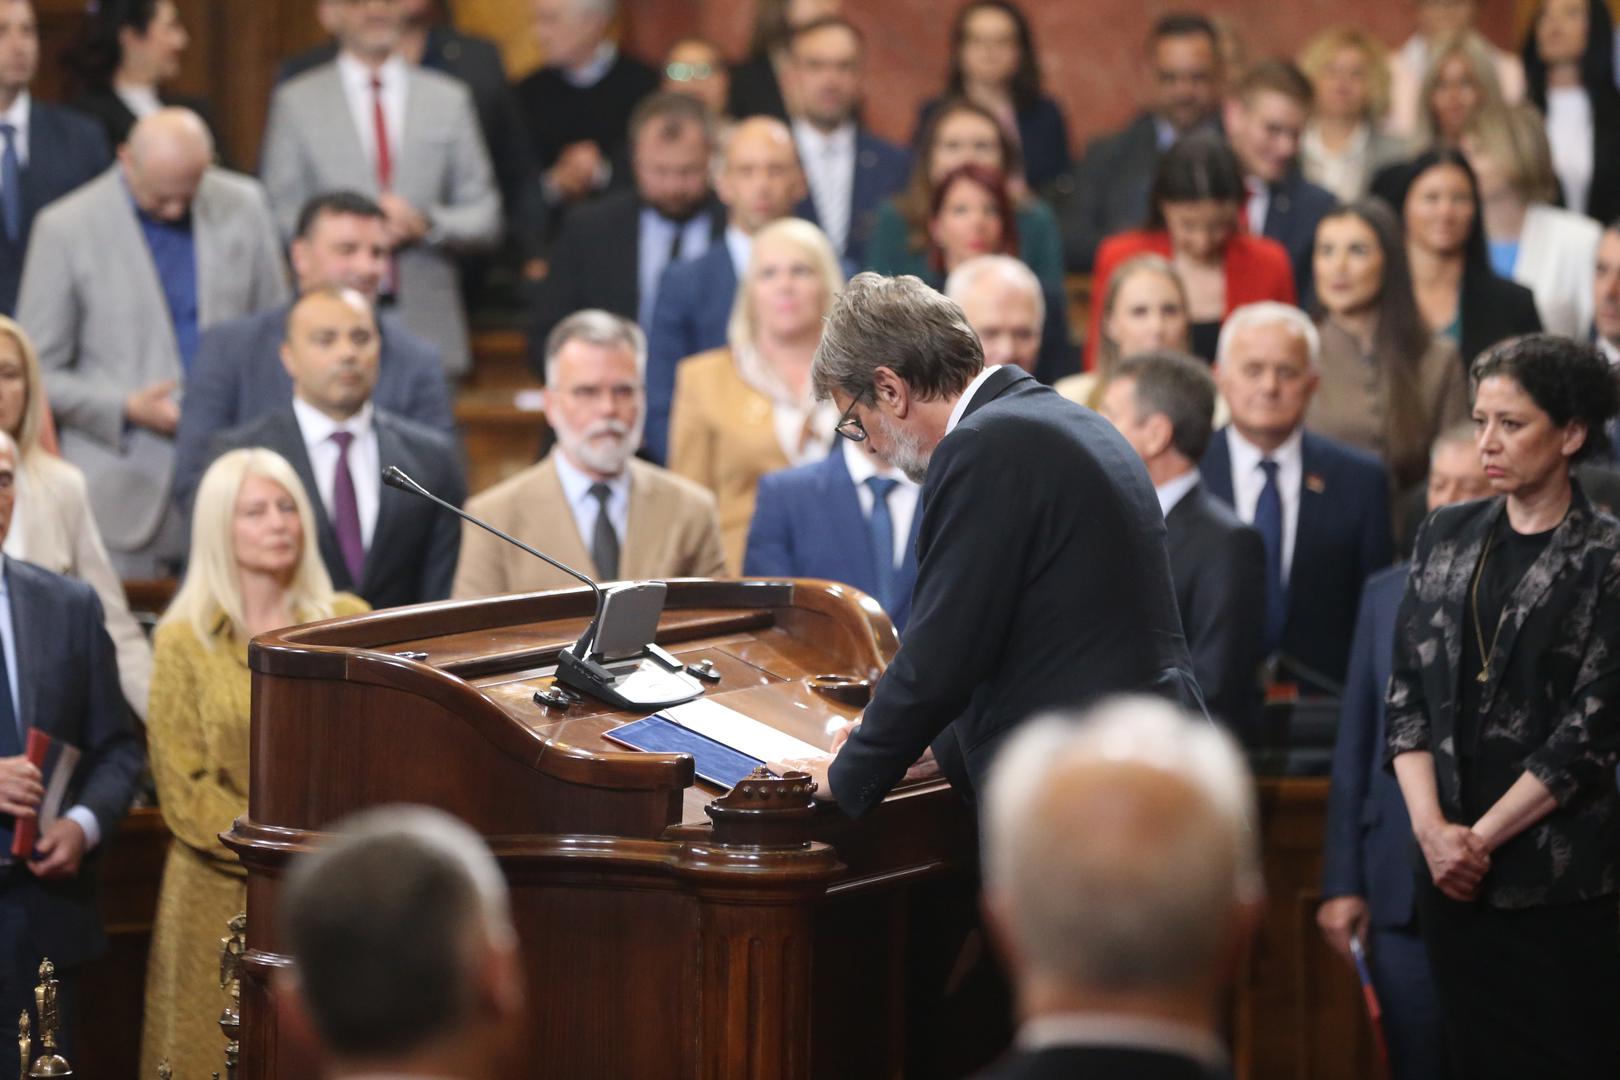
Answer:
(254, 568)
(1344, 146)
(742, 411)
(1145, 307)
(52, 525)
(1461, 80)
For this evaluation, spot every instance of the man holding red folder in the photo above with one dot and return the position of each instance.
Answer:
(58, 678)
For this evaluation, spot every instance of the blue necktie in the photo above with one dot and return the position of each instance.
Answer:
(1268, 522)
(10, 184)
(881, 527)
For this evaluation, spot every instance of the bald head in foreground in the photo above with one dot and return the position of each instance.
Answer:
(1122, 885)
(405, 961)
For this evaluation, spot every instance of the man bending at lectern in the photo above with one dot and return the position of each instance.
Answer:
(1042, 578)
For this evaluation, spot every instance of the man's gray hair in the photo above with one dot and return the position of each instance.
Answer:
(596, 327)
(1270, 313)
(381, 923)
(1118, 844)
(1008, 270)
(901, 324)
(1461, 433)
(1180, 387)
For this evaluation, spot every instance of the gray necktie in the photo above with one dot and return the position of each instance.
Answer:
(604, 541)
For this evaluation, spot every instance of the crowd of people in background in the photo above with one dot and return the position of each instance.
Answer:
(1299, 279)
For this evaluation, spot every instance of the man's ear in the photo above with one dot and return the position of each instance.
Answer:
(1159, 432)
(892, 394)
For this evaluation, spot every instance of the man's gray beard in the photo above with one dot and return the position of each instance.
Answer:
(905, 450)
(606, 460)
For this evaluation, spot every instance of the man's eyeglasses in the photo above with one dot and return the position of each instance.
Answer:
(849, 425)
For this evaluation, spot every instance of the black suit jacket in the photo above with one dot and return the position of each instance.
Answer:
(1100, 1063)
(1343, 536)
(67, 679)
(64, 151)
(1218, 565)
(755, 91)
(596, 263)
(1297, 207)
(1493, 308)
(1042, 583)
(414, 547)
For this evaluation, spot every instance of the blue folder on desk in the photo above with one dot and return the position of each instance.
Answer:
(716, 762)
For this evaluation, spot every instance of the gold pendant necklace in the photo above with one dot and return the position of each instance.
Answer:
(1484, 675)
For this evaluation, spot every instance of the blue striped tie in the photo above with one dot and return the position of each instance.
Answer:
(881, 527)
(10, 184)
(1268, 522)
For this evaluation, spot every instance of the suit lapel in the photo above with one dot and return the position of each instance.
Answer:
(126, 243)
(343, 139)
(1563, 552)
(557, 534)
(641, 524)
(208, 234)
(391, 450)
(998, 382)
(404, 163)
(1314, 505)
(30, 610)
(1215, 471)
(287, 438)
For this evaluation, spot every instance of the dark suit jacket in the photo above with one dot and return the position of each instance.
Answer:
(1100, 1063)
(881, 170)
(1037, 588)
(694, 305)
(808, 523)
(1343, 536)
(64, 151)
(1493, 308)
(1218, 565)
(1549, 706)
(1043, 137)
(596, 263)
(1367, 848)
(1297, 207)
(1111, 189)
(67, 678)
(755, 91)
(414, 547)
(238, 377)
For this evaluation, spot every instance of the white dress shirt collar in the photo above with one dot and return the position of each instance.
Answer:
(960, 408)
(577, 484)
(593, 70)
(741, 248)
(902, 498)
(1248, 479)
(1124, 1032)
(143, 101)
(1172, 492)
(1610, 351)
(17, 116)
(394, 75)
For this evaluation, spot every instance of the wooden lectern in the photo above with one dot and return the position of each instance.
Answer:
(667, 931)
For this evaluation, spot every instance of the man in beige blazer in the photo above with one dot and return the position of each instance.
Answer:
(590, 503)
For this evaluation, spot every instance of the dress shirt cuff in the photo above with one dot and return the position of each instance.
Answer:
(86, 820)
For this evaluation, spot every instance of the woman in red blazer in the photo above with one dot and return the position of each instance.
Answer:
(1194, 220)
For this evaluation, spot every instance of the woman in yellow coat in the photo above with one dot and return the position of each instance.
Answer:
(254, 568)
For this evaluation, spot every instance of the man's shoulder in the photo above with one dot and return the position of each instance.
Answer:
(92, 197)
(427, 85)
(311, 84)
(520, 489)
(230, 335)
(1322, 453)
(58, 589)
(1140, 134)
(227, 186)
(613, 208)
(403, 347)
(59, 121)
(663, 484)
(415, 434)
(1211, 517)
(1309, 198)
(883, 151)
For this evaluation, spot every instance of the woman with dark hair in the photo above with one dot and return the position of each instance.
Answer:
(1458, 294)
(971, 215)
(1388, 386)
(1193, 220)
(130, 48)
(756, 83)
(993, 64)
(1503, 720)
(1569, 68)
(960, 133)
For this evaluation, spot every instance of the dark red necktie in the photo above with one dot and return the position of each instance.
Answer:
(379, 119)
(346, 512)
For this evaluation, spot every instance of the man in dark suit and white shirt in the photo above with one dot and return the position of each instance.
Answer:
(57, 674)
(1164, 405)
(45, 151)
(1606, 295)
(1042, 579)
(1321, 508)
(238, 376)
(849, 171)
(1112, 183)
(611, 253)
(384, 544)
(1121, 940)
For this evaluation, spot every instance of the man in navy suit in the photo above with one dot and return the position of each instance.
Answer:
(850, 517)
(759, 180)
(1265, 121)
(850, 171)
(1321, 508)
(45, 151)
(239, 377)
(1368, 850)
(57, 674)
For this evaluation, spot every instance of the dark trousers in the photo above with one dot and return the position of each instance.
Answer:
(1526, 992)
(19, 974)
(1400, 972)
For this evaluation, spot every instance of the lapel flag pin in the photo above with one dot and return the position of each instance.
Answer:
(1315, 483)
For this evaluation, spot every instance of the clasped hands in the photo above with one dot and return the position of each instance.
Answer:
(58, 852)
(925, 767)
(1457, 856)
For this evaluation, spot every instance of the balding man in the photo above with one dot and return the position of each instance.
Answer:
(759, 180)
(381, 543)
(1002, 300)
(122, 276)
(1122, 878)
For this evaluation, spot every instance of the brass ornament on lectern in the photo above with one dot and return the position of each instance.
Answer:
(45, 1007)
(231, 948)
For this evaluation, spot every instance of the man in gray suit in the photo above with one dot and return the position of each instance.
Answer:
(122, 276)
(406, 136)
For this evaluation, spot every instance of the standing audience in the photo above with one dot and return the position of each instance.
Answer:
(254, 568)
(1569, 62)
(1442, 23)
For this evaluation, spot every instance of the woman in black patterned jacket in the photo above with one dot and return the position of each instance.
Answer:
(1504, 729)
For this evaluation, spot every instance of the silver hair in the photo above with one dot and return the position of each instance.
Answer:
(1461, 433)
(901, 324)
(1144, 903)
(1270, 313)
(596, 327)
(606, 9)
(1008, 270)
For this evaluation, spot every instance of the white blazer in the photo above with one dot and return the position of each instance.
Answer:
(1557, 261)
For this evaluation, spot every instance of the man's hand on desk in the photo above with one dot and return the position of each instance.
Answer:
(815, 767)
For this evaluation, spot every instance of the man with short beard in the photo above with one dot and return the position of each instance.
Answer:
(590, 502)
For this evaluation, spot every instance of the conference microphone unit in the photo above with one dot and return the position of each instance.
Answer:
(617, 659)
